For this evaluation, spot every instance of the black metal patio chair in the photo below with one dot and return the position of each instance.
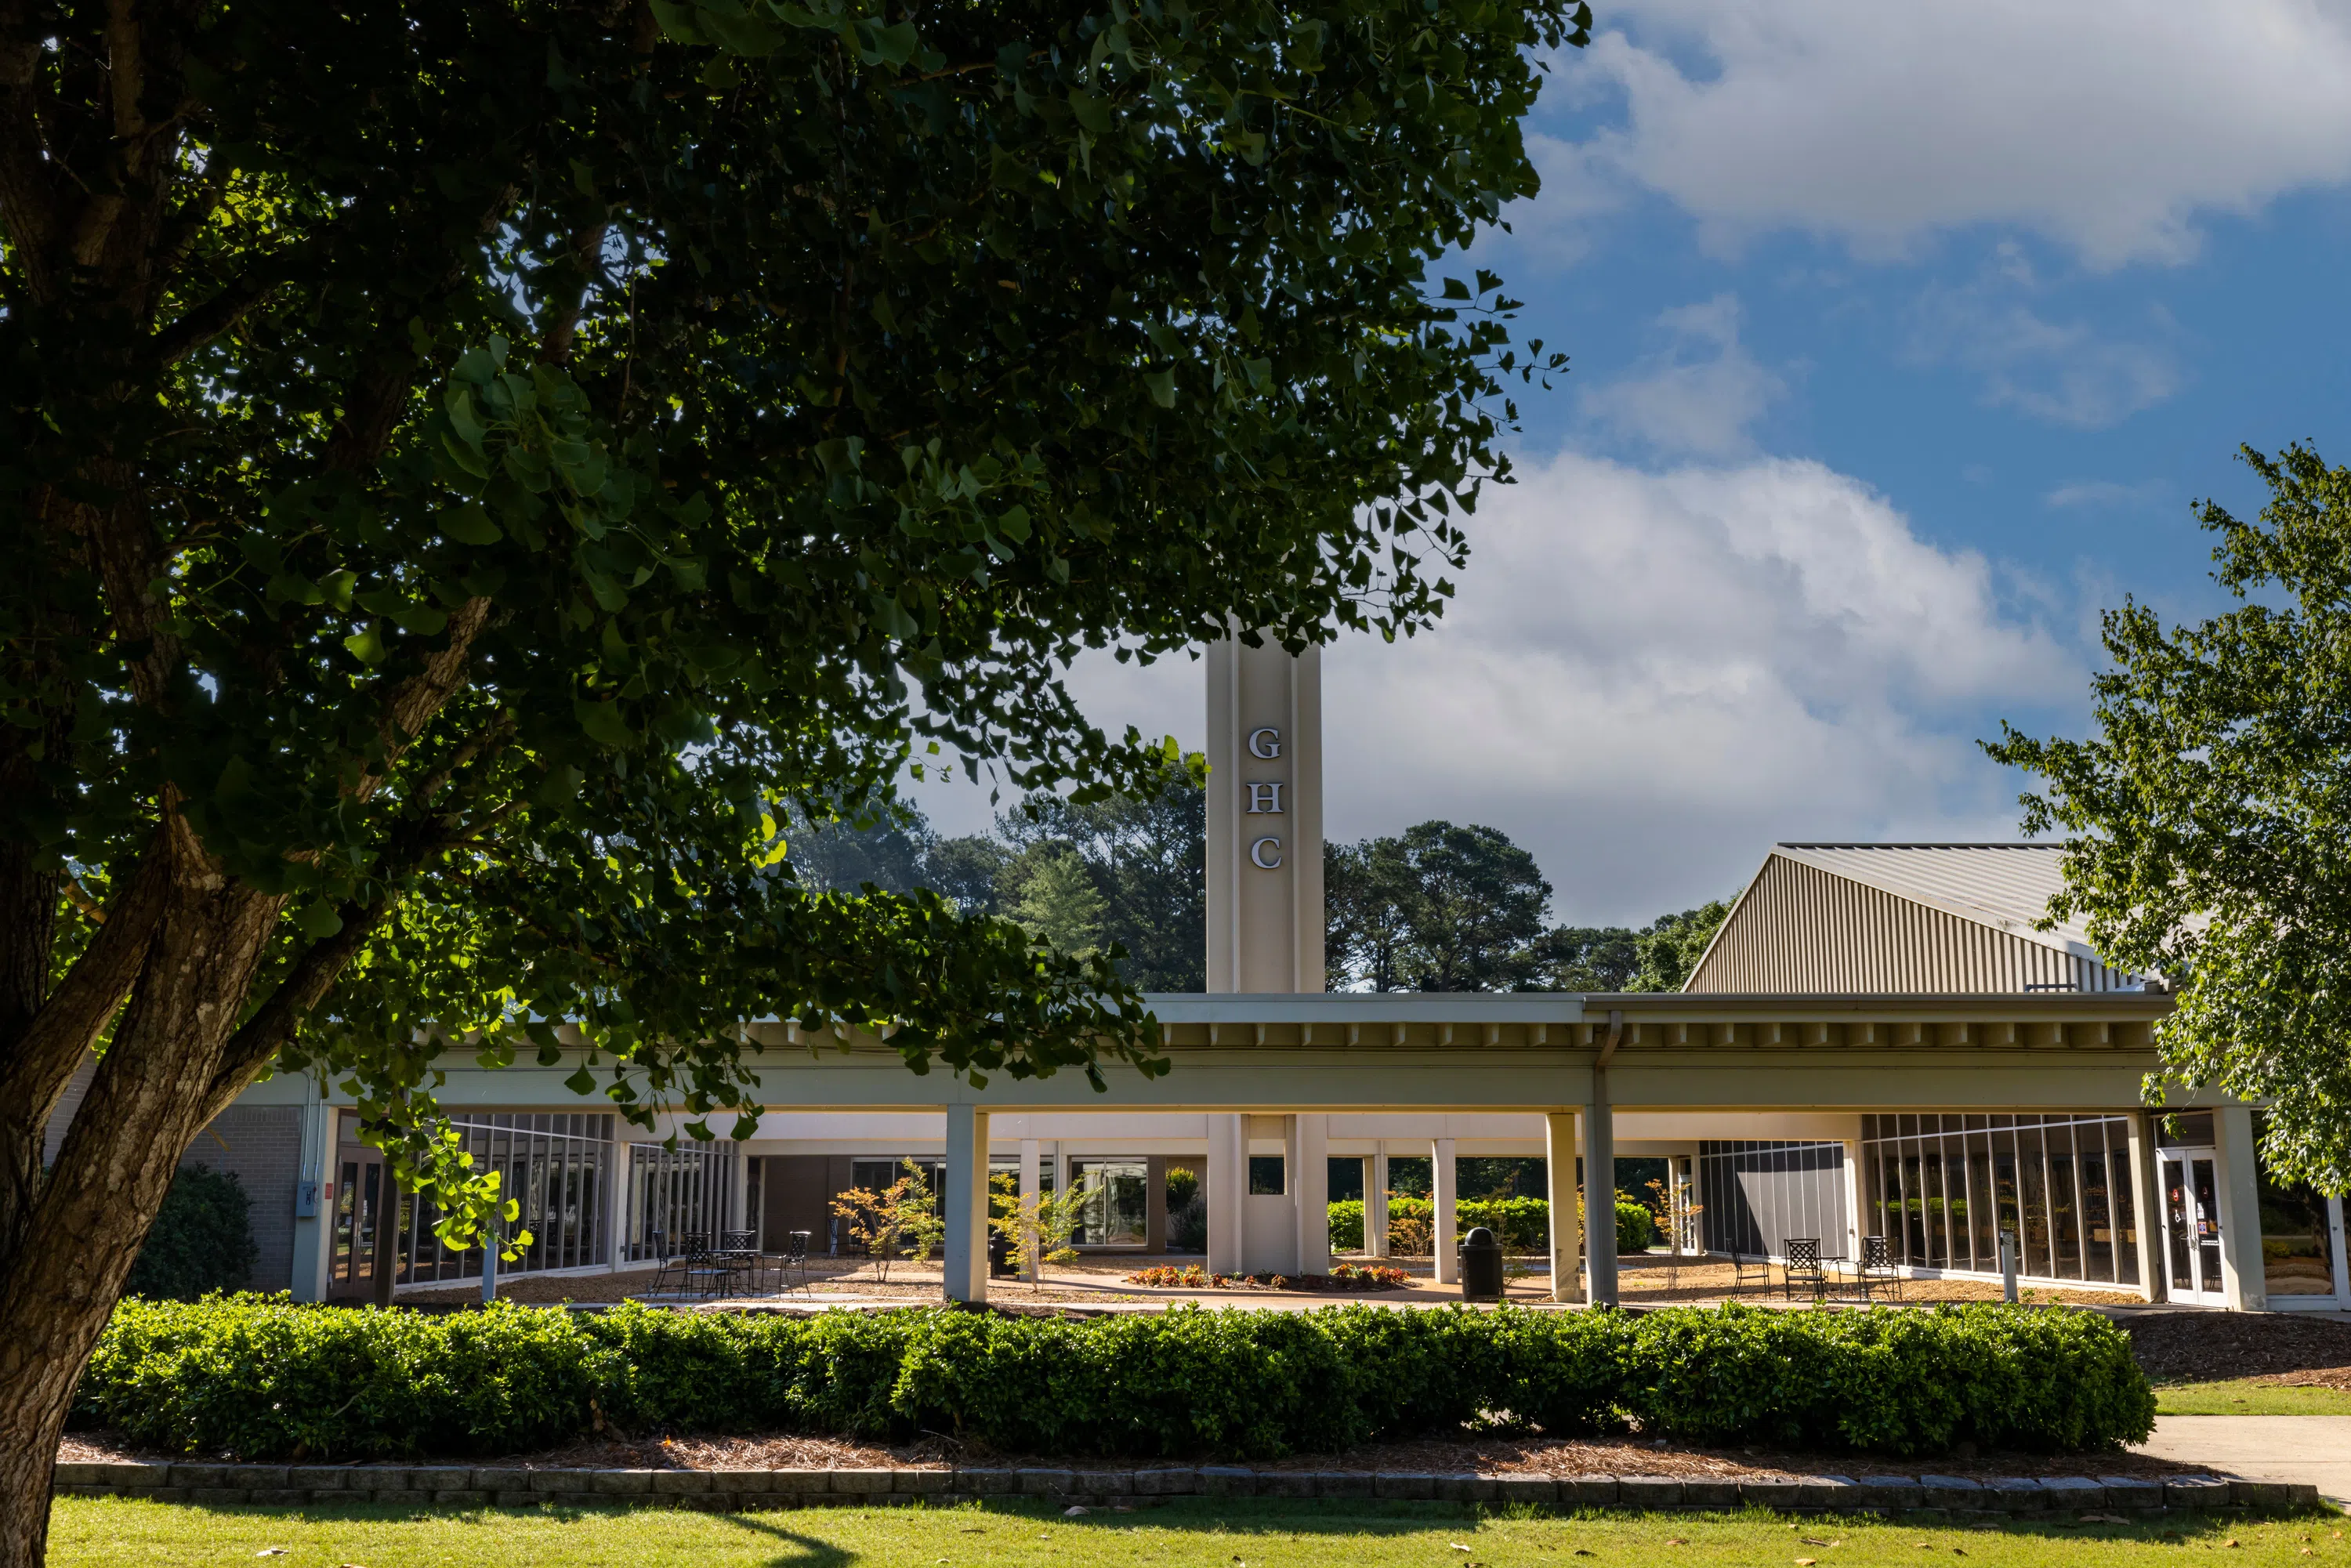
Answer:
(1802, 1267)
(1877, 1270)
(1748, 1267)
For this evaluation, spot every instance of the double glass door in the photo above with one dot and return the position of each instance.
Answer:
(2191, 1205)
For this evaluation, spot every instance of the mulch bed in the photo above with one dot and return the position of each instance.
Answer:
(1490, 1456)
(2208, 1347)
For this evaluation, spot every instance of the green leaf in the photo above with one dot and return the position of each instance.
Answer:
(1163, 387)
(603, 723)
(470, 524)
(319, 921)
(366, 645)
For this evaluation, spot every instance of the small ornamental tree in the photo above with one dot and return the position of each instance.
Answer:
(2212, 817)
(472, 471)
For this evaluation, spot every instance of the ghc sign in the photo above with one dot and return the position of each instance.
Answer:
(1264, 799)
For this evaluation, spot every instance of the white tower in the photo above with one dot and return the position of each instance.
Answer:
(1265, 817)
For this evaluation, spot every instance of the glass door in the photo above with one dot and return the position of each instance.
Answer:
(2191, 1203)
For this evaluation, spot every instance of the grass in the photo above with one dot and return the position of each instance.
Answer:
(2243, 1396)
(1193, 1533)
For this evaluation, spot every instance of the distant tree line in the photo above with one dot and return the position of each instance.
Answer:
(1439, 907)
(1442, 907)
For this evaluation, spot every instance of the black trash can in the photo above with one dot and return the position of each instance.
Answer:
(999, 1255)
(1481, 1266)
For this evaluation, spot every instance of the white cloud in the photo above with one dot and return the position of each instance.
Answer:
(1699, 396)
(1649, 677)
(2110, 127)
(2099, 494)
(2062, 372)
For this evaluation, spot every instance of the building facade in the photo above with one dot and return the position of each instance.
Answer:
(1878, 1042)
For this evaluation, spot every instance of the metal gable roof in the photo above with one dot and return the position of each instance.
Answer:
(2007, 886)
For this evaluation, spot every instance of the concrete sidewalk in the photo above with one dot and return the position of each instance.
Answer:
(2316, 1449)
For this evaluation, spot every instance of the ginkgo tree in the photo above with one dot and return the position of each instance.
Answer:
(472, 471)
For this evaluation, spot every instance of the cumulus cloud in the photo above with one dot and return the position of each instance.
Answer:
(1698, 396)
(2109, 128)
(1649, 677)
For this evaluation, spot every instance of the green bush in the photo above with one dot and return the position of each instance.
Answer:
(1522, 1223)
(265, 1379)
(202, 1239)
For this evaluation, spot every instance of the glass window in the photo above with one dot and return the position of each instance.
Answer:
(1267, 1177)
(2297, 1238)
(2097, 1217)
(1116, 1205)
(2064, 1212)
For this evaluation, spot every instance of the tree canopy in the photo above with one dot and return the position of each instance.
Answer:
(1447, 908)
(471, 468)
(2210, 811)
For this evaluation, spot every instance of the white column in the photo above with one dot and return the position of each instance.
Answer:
(1228, 1186)
(966, 1249)
(1559, 1164)
(1265, 817)
(1310, 1186)
(1599, 1197)
(314, 1233)
(738, 1198)
(1441, 1194)
(2242, 1274)
(616, 1205)
(1032, 1176)
(1375, 1203)
(1852, 1223)
(2342, 1270)
(2146, 1206)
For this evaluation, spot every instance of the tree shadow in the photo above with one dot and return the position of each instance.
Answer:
(808, 1552)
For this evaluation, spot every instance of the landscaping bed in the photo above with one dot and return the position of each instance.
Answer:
(2286, 1348)
(1342, 1277)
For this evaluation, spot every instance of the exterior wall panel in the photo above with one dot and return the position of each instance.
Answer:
(1800, 929)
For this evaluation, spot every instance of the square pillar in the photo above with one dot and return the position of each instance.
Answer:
(1852, 1225)
(1599, 1197)
(1226, 1182)
(1566, 1237)
(2243, 1275)
(1311, 1188)
(616, 1208)
(1031, 1178)
(1441, 1193)
(2146, 1206)
(1375, 1203)
(314, 1233)
(967, 1198)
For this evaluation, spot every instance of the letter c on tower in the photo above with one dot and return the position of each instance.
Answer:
(1261, 851)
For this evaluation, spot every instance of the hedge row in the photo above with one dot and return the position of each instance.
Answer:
(260, 1379)
(1522, 1223)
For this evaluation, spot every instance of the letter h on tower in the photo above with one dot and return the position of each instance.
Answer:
(1264, 799)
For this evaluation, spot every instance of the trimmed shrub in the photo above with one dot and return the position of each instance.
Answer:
(1522, 1223)
(202, 1239)
(262, 1378)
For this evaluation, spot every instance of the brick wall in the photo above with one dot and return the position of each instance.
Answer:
(260, 1145)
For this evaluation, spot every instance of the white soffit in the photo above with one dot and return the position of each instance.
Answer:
(2007, 886)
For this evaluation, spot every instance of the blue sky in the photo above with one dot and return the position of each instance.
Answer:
(1903, 340)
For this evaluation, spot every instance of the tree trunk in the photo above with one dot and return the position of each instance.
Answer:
(154, 1090)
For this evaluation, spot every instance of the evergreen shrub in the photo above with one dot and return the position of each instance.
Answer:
(1522, 1223)
(262, 1378)
(202, 1239)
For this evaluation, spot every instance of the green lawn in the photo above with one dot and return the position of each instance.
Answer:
(1193, 1533)
(2244, 1397)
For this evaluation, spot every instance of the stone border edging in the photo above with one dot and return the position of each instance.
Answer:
(464, 1486)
